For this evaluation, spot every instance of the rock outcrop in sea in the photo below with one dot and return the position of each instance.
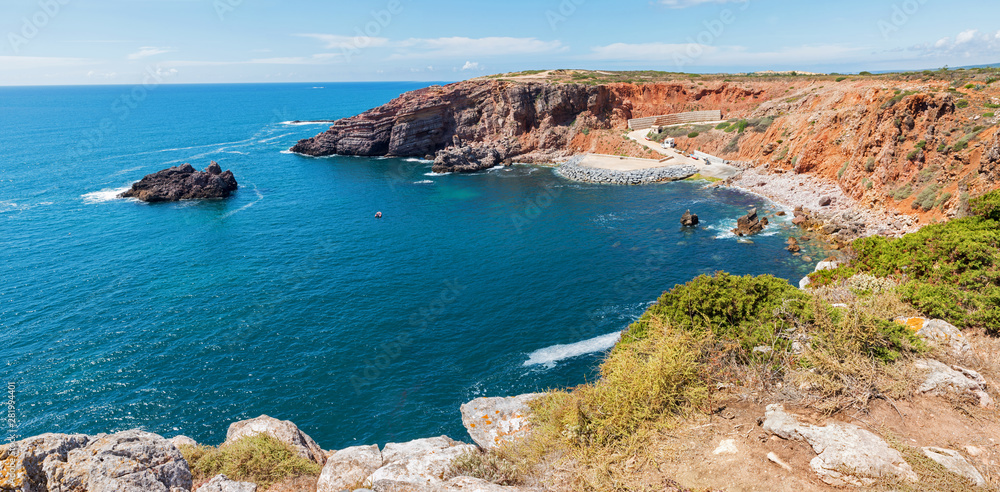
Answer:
(750, 224)
(184, 183)
(689, 219)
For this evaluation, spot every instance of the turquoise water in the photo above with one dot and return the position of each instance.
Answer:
(289, 299)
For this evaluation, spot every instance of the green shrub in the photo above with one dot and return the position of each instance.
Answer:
(693, 135)
(921, 144)
(843, 169)
(950, 271)
(991, 106)
(870, 164)
(902, 193)
(722, 126)
(926, 199)
(260, 458)
(960, 145)
(750, 311)
(912, 156)
(841, 79)
(989, 115)
(962, 103)
(942, 147)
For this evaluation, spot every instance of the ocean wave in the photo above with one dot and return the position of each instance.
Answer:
(271, 139)
(305, 123)
(105, 195)
(436, 174)
(426, 181)
(725, 228)
(416, 159)
(9, 206)
(260, 196)
(549, 356)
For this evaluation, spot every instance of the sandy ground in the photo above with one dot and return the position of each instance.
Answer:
(720, 171)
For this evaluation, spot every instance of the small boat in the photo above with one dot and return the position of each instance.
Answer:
(378, 215)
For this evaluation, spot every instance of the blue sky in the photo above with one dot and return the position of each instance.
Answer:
(218, 41)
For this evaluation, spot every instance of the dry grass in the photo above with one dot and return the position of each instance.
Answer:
(933, 476)
(260, 459)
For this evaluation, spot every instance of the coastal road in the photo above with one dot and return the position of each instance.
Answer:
(720, 171)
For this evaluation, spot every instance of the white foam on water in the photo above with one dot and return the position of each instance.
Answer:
(260, 196)
(306, 123)
(126, 171)
(426, 181)
(549, 356)
(436, 174)
(105, 195)
(271, 139)
(415, 159)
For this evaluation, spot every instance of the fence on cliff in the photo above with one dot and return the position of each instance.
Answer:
(675, 119)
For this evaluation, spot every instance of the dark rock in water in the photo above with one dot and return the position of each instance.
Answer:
(468, 158)
(750, 224)
(781, 213)
(689, 219)
(793, 245)
(184, 183)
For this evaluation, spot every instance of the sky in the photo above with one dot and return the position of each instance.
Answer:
(72, 42)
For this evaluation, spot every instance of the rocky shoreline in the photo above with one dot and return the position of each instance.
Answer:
(837, 453)
(572, 170)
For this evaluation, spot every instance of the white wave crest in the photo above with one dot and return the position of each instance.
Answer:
(436, 174)
(105, 195)
(306, 123)
(549, 356)
(426, 181)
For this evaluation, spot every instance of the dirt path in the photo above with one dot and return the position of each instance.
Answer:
(711, 170)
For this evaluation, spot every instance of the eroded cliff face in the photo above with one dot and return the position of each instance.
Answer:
(886, 144)
(481, 123)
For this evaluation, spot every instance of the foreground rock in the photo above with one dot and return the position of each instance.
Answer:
(349, 467)
(420, 462)
(689, 219)
(939, 333)
(184, 183)
(956, 464)
(457, 484)
(221, 483)
(750, 224)
(942, 379)
(492, 421)
(131, 461)
(841, 448)
(281, 430)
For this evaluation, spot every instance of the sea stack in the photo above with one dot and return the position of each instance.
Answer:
(689, 219)
(184, 183)
(749, 224)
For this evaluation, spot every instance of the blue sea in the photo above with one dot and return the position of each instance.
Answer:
(290, 299)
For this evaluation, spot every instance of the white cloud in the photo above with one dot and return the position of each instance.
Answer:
(680, 4)
(966, 36)
(317, 59)
(471, 66)
(147, 51)
(967, 44)
(336, 42)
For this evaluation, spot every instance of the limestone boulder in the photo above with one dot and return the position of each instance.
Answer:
(220, 483)
(491, 421)
(179, 441)
(939, 333)
(955, 463)
(942, 379)
(457, 484)
(348, 468)
(281, 430)
(419, 462)
(22, 462)
(840, 448)
(130, 461)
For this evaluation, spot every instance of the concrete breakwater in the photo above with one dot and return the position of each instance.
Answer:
(573, 170)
